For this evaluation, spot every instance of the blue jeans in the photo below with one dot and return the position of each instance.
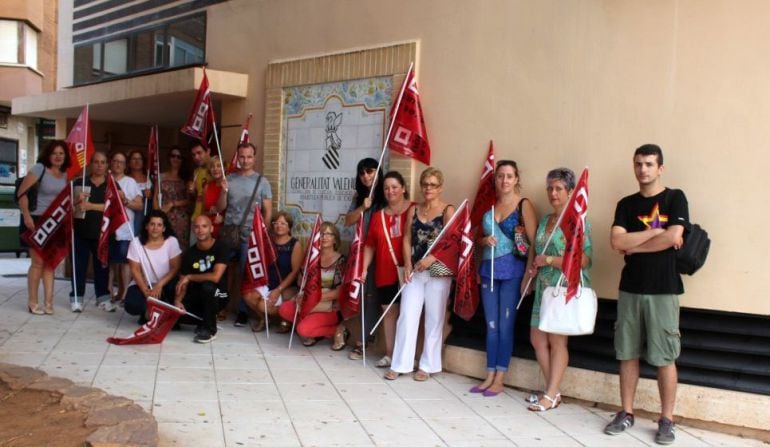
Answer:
(85, 249)
(500, 315)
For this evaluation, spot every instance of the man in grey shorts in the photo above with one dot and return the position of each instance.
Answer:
(648, 229)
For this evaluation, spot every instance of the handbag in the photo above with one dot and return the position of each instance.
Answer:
(577, 317)
(520, 239)
(31, 192)
(230, 234)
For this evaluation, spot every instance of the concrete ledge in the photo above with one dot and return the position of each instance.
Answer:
(697, 403)
(119, 422)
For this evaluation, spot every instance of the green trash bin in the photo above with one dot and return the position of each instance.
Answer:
(10, 219)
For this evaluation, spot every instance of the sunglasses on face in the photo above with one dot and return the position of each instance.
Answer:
(177, 156)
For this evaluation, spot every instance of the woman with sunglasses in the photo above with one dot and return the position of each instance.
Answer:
(427, 283)
(364, 207)
(323, 321)
(174, 199)
(131, 196)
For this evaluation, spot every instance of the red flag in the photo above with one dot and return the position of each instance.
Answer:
(163, 317)
(153, 157)
(51, 237)
(114, 217)
(201, 115)
(408, 135)
(485, 195)
(259, 256)
(350, 290)
(573, 226)
(234, 166)
(81, 145)
(312, 275)
(448, 245)
(467, 290)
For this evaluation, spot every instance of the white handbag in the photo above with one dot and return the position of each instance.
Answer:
(577, 317)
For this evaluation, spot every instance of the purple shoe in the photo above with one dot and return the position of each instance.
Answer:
(490, 393)
(477, 390)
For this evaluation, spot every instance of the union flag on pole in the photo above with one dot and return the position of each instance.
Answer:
(408, 135)
(51, 237)
(201, 115)
(81, 145)
(114, 217)
(311, 292)
(467, 289)
(234, 166)
(485, 194)
(153, 157)
(259, 256)
(573, 226)
(163, 317)
(350, 290)
(448, 245)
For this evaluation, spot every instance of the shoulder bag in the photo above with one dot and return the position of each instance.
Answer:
(574, 318)
(230, 235)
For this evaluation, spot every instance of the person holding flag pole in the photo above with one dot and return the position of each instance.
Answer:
(503, 266)
(550, 264)
(50, 176)
(428, 282)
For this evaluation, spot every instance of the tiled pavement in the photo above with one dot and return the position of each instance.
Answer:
(247, 390)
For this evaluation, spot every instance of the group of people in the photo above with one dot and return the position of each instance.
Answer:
(197, 275)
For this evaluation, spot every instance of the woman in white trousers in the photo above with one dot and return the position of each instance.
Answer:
(427, 283)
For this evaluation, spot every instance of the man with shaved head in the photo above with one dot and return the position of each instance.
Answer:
(201, 286)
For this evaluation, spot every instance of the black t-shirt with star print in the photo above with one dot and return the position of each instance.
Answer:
(196, 260)
(652, 273)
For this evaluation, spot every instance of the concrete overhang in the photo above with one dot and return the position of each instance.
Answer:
(160, 98)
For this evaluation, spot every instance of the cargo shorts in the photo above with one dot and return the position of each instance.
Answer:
(648, 326)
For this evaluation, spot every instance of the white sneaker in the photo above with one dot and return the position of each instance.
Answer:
(107, 306)
(77, 307)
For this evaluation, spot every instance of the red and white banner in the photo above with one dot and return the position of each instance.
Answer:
(153, 156)
(259, 256)
(311, 293)
(448, 245)
(485, 194)
(201, 115)
(234, 166)
(114, 217)
(51, 238)
(81, 145)
(350, 290)
(467, 289)
(408, 136)
(573, 226)
(163, 317)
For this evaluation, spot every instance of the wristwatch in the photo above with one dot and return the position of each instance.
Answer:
(549, 260)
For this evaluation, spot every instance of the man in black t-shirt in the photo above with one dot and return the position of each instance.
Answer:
(201, 287)
(648, 229)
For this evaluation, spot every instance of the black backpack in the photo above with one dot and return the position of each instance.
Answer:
(692, 255)
(31, 193)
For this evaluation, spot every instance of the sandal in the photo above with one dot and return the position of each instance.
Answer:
(540, 407)
(392, 375)
(357, 353)
(384, 362)
(283, 328)
(309, 341)
(340, 340)
(222, 316)
(534, 397)
(421, 376)
(48, 309)
(34, 310)
(258, 326)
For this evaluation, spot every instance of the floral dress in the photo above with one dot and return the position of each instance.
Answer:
(548, 275)
(179, 216)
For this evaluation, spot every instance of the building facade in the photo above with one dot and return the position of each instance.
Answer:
(553, 83)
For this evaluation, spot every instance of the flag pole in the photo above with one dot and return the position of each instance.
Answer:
(72, 239)
(438, 238)
(302, 286)
(545, 247)
(85, 161)
(390, 129)
(492, 260)
(363, 327)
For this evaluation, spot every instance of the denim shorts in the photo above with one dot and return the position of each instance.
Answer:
(118, 252)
